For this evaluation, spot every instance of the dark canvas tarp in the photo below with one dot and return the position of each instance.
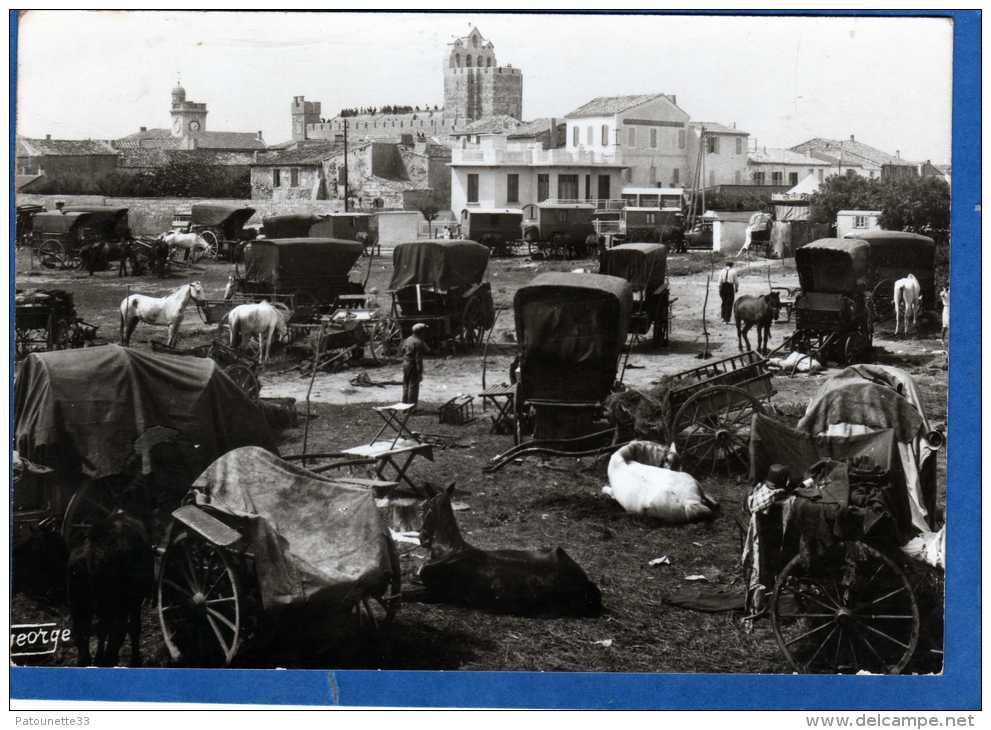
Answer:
(644, 265)
(288, 226)
(895, 254)
(571, 329)
(80, 411)
(833, 265)
(438, 263)
(317, 543)
(272, 262)
(214, 214)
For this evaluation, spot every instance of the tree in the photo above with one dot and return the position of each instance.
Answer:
(428, 210)
(919, 204)
(842, 192)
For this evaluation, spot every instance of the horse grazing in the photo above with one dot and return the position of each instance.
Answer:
(514, 581)
(109, 575)
(262, 319)
(192, 243)
(908, 291)
(159, 311)
(761, 311)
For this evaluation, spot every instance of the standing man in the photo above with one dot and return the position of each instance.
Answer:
(413, 350)
(728, 287)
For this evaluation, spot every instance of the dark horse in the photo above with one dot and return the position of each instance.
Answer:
(97, 257)
(110, 573)
(523, 582)
(761, 311)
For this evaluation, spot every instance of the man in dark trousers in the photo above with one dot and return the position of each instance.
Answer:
(728, 287)
(413, 350)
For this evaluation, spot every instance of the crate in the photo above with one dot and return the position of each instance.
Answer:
(458, 411)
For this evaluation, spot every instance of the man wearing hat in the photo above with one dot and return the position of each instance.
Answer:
(413, 350)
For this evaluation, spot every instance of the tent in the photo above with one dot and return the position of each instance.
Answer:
(80, 411)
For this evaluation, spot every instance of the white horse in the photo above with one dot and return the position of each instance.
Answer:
(908, 291)
(263, 319)
(193, 243)
(159, 311)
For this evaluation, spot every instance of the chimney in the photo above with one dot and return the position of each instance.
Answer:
(852, 138)
(260, 136)
(734, 125)
(674, 99)
(898, 154)
(48, 137)
(143, 129)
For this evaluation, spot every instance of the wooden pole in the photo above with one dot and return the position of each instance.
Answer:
(318, 353)
(346, 192)
(705, 354)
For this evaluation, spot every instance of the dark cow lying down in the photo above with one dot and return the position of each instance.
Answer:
(513, 581)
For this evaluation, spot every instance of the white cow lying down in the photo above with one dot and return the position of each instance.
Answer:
(639, 483)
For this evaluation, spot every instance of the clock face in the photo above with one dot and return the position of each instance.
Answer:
(194, 126)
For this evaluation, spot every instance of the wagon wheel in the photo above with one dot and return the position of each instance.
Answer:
(473, 323)
(883, 303)
(212, 242)
(840, 616)
(660, 335)
(199, 602)
(244, 378)
(373, 612)
(712, 428)
(386, 337)
(59, 337)
(91, 503)
(857, 348)
(52, 255)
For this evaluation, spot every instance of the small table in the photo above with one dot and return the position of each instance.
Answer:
(395, 418)
(503, 397)
(391, 455)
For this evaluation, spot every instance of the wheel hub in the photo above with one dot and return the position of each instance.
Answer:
(199, 599)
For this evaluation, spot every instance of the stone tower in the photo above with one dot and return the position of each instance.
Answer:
(188, 117)
(303, 113)
(475, 86)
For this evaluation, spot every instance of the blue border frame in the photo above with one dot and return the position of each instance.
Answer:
(958, 688)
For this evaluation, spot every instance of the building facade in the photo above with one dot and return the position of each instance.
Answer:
(724, 153)
(851, 157)
(474, 86)
(777, 166)
(88, 158)
(646, 134)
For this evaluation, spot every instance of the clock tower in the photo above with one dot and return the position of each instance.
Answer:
(188, 117)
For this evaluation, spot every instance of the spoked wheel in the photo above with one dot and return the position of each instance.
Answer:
(385, 338)
(847, 612)
(53, 255)
(660, 334)
(91, 503)
(857, 348)
(212, 242)
(199, 602)
(473, 323)
(881, 296)
(712, 429)
(244, 378)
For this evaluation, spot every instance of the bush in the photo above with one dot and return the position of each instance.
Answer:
(177, 179)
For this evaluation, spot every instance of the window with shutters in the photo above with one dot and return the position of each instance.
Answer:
(739, 145)
(294, 177)
(712, 144)
(589, 136)
(574, 136)
(472, 187)
(676, 176)
(513, 188)
(543, 187)
(276, 177)
(653, 139)
(631, 137)
(681, 139)
(605, 135)
(777, 178)
(759, 178)
(567, 187)
(793, 178)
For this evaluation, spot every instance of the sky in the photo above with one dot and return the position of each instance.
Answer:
(105, 74)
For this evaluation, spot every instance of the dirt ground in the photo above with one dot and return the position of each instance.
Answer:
(535, 503)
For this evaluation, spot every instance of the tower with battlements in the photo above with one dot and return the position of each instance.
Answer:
(188, 117)
(303, 113)
(475, 85)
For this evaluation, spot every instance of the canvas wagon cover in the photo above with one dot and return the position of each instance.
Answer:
(317, 543)
(833, 265)
(80, 411)
(571, 329)
(269, 261)
(644, 265)
(288, 226)
(230, 217)
(57, 223)
(438, 263)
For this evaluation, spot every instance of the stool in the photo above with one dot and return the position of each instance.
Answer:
(395, 418)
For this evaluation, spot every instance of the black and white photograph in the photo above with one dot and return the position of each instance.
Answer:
(480, 342)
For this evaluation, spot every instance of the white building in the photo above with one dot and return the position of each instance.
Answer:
(856, 221)
(517, 168)
(647, 134)
(777, 166)
(725, 154)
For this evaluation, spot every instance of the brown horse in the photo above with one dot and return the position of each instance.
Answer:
(523, 582)
(761, 311)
